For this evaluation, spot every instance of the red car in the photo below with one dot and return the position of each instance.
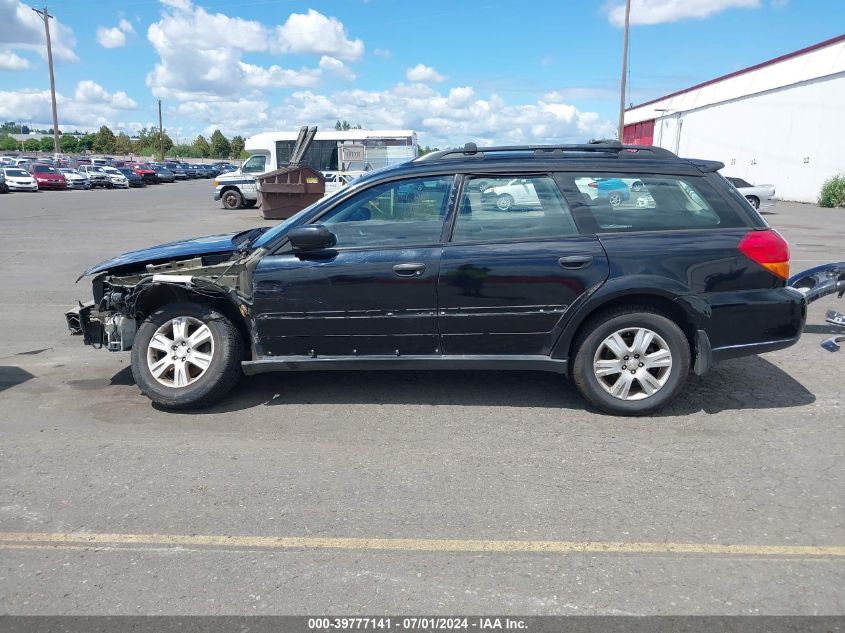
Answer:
(48, 177)
(144, 171)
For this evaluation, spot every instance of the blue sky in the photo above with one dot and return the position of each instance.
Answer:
(454, 70)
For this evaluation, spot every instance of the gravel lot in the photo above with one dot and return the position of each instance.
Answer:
(751, 456)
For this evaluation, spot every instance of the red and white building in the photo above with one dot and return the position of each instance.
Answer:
(780, 122)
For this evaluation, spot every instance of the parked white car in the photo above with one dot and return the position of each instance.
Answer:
(19, 179)
(75, 180)
(116, 176)
(760, 196)
(516, 193)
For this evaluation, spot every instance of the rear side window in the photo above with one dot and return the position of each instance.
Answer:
(603, 202)
(511, 208)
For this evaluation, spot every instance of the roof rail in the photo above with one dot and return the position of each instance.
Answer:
(610, 147)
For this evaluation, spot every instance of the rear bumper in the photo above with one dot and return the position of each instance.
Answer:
(743, 323)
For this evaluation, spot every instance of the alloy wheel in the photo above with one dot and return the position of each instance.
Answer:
(180, 352)
(632, 363)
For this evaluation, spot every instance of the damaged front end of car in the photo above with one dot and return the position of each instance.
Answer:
(215, 270)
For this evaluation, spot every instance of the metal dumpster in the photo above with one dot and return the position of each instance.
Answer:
(283, 192)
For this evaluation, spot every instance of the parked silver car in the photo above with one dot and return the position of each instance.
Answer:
(75, 180)
(760, 196)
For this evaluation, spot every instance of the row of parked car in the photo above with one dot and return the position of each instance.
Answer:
(23, 175)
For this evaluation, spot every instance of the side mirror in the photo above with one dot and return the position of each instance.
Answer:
(311, 237)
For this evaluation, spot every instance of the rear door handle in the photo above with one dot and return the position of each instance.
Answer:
(574, 262)
(409, 270)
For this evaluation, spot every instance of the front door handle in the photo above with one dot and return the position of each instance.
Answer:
(574, 262)
(409, 270)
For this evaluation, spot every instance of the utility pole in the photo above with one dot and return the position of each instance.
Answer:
(624, 70)
(45, 15)
(160, 134)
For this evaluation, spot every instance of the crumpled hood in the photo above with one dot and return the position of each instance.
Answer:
(172, 250)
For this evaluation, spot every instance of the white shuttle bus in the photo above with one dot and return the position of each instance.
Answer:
(336, 154)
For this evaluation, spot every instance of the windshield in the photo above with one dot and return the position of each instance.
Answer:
(280, 229)
(44, 169)
(20, 173)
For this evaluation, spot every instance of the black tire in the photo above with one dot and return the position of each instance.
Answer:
(222, 373)
(603, 325)
(249, 204)
(232, 199)
(614, 198)
(754, 200)
(637, 185)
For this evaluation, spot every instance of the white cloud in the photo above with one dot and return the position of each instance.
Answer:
(21, 28)
(93, 93)
(336, 66)
(421, 72)
(383, 53)
(110, 37)
(114, 37)
(10, 61)
(90, 107)
(201, 56)
(443, 119)
(663, 11)
(315, 33)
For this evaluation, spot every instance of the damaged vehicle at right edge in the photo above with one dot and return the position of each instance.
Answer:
(408, 268)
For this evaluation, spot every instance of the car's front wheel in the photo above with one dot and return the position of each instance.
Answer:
(615, 199)
(632, 360)
(754, 200)
(186, 356)
(231, 200)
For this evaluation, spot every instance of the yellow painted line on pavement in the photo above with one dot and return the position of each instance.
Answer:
(99, 540)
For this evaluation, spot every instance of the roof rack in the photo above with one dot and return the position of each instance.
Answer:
(609, 147)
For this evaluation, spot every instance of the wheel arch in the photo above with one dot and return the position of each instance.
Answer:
(157, 295)
(653, 298)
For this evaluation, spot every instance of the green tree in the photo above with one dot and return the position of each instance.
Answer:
(32, 145)
(237, 146)
(344, 126)
(85, 142)
(68, 144)
(7, 144)
(104, 141)
(220, 146)
(202, 147)
(122, 144)
(46, 144)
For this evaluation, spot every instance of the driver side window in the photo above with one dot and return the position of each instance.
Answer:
(254, 165)
(402, 212)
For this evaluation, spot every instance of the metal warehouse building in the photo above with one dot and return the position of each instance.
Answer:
(780, 122)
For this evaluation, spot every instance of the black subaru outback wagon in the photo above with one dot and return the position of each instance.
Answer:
(623, 267)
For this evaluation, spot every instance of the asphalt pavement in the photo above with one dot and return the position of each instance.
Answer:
(397, 492)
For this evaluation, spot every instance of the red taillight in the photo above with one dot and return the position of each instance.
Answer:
(593, 185)
(768, 249)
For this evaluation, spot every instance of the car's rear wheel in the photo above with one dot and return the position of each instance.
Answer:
(231, 200)
(754, 200)
(637, 185)
(504, 202)
(614, 198)
(632, 360)
(186, 356)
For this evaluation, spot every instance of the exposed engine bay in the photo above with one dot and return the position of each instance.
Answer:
(126, 293)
